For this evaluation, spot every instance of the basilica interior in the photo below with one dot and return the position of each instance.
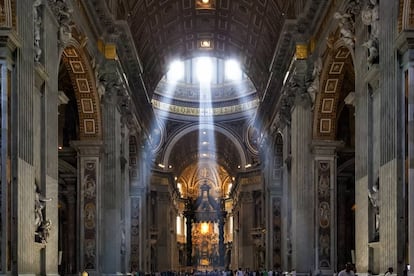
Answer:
(149, 136)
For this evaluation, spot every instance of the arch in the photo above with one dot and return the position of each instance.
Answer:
(83, 83)
(337, 62)
(196, 127)
(8, 14)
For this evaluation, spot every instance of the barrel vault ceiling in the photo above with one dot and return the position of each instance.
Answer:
(152, 33)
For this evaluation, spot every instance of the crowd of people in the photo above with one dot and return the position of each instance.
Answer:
(349, 270)
(238, 272)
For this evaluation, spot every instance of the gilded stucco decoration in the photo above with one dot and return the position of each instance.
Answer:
(207, 172)
(85, 90)
(337, 66)
(207, 111)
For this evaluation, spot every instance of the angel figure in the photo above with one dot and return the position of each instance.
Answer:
(314, 86)
(346, 28)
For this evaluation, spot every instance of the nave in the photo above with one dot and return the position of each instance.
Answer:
(195, 136)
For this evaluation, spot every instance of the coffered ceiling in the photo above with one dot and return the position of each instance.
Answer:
(258, 33)
(244, 29)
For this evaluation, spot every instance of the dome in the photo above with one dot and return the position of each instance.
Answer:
(205, 87)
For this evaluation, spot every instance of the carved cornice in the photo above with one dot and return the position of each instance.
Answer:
(9, 39)
(88, 148)
(293, 31)
(405, 41)
(119, 34)
(326, 147)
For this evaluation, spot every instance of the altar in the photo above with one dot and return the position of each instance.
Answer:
(205, 218)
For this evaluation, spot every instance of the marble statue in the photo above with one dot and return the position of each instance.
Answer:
(313, 88)
(374, 199)
(37, 23)
(372, 46)
(42, 226)
(346, 26)
(370, 17)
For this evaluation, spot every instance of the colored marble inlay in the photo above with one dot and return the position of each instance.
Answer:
(324, 214)
(89, 213)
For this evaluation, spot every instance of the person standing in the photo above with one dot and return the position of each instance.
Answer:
(389, 271)
(347, 271)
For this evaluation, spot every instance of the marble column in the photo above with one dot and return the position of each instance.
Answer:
(89, 190)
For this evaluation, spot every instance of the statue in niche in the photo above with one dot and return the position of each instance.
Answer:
(373, 195)
(42, 226)
(372, 46)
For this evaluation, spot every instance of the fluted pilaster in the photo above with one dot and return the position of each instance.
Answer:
(112, 194)
(390, 183)
(302, 190)
(28, 260)
(410, 164)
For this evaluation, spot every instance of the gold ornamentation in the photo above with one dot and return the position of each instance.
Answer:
(302, 51)
(107, 49)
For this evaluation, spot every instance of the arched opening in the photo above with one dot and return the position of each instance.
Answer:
(79, 120)
(203, 215)
(345, 132)
(68, 130)
(335, 121)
